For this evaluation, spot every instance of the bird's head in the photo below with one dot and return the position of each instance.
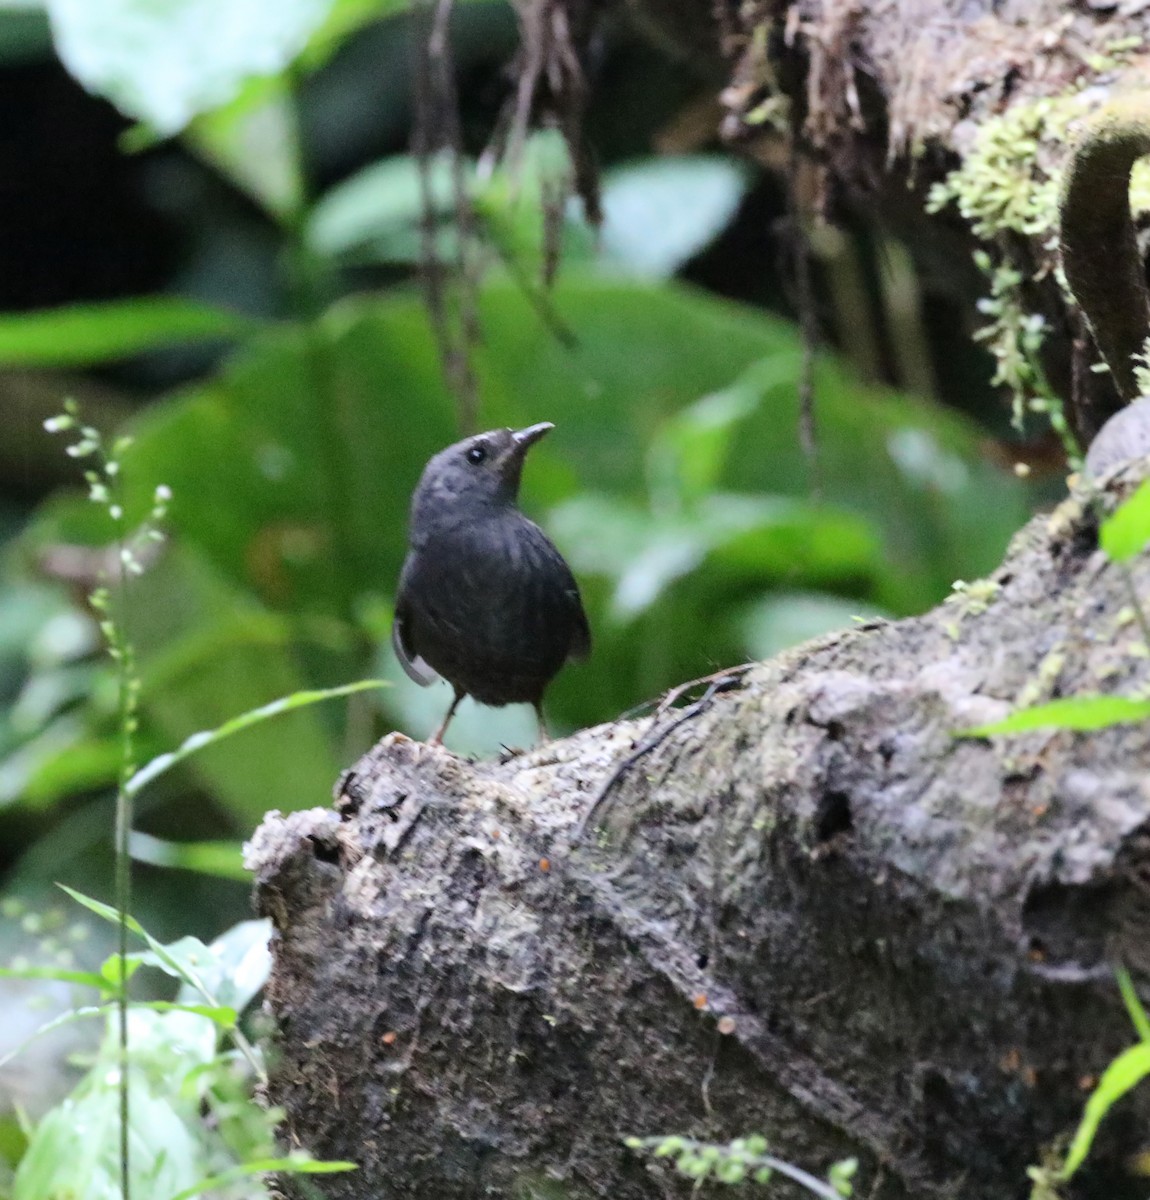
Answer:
(480, 472)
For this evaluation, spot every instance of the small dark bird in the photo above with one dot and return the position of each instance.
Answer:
(485, 600)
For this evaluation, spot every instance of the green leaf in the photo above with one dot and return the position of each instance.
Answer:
(239, 966)
(1073, 712)
(380, 207)
(787, 618)
(104, 911)
(165, 62)
(69, 1017)
(116, 972)
(761, 537)
(689, 451)
(659, 213)
(74, 1150)
(60, 761)
(208, 650)
(254, 141)
(1124, 533)
(84, 978)
(1134, 1007)
(294, 1166)
(1127, 1070)
(208, 737)
(222, 859)
(299, 1165)
(80, 334)
(219, 1014)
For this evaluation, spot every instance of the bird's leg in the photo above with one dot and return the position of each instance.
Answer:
(544, 734)
(436, 738)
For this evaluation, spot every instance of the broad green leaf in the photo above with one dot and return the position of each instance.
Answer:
(659, 213)
(209, 654)
(1125, 1072)
(62, 760)
(316, 442)
(761, 537)
(166, 61)
(239, 966)
(254, 141)
(376, 215)
(380, 209)
(787, 618)
(80, 334)
(689, 451)
(1126, 531)
(1073, 712)
(75, 1150)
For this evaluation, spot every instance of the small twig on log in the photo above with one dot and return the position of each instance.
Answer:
(721, 681)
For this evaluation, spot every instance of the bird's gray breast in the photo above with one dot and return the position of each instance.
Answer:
(491, 605)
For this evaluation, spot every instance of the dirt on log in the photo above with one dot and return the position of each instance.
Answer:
(809, 911)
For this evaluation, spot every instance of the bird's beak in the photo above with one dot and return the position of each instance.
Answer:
(526, 438)
(522, 440)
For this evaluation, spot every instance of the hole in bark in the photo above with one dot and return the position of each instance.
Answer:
(471, 876)
(834, 816)
(834, 730)
(324, 851)
(1066, 923)
(701, 961)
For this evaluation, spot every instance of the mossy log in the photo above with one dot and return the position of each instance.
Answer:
(809, 911)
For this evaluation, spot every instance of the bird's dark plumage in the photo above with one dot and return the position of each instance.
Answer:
(485, 600)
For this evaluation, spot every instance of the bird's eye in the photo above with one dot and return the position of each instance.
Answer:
(476, 454)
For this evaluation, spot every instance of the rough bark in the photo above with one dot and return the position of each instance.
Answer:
(809, 911)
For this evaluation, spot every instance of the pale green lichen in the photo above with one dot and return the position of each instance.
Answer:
(971, 600)
(975, 597)
(1041, 686)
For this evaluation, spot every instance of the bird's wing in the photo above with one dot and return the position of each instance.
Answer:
(563, 603)
(413, 666)
(581, 636)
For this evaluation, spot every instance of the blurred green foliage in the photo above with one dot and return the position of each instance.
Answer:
(675, 484)
(675, 481)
